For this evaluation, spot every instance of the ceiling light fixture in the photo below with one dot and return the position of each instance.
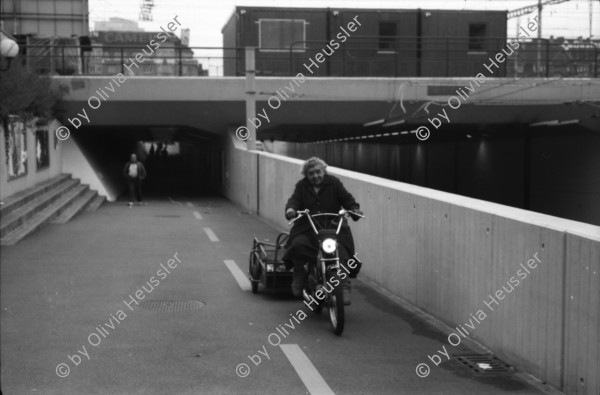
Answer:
(555, 122)
(398, 122)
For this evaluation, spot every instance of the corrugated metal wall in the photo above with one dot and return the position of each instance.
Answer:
(361, 54)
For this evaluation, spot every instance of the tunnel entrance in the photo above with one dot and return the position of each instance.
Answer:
(180, 162)
(186, 170)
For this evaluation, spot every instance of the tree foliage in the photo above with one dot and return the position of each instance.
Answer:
(26, 93)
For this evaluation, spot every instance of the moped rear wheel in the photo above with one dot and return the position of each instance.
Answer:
(253, 268)
(336, 307)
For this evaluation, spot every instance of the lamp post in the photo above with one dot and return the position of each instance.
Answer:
(8, 49)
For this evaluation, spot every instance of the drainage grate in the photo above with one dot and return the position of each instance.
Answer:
(171, 304)
(485, 364)
(167, 216)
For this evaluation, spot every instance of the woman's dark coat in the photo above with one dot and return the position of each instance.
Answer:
(331, 198)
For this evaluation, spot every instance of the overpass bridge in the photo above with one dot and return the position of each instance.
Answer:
(316, 109)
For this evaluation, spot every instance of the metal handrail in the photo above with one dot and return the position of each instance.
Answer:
(439, 56)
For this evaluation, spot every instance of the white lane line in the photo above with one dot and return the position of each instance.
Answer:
(306, 370)
(173, 201)
(211, 235)
(197, 215)
(190, 204)
(237, 273)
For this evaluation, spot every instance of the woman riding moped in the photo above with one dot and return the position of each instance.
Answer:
(318, 192)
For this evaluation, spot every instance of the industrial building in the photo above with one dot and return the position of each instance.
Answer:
(388, 43)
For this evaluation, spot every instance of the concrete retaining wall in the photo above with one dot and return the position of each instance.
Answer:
(528, 284)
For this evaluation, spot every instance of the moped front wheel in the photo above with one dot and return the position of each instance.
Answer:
(336, 307)
(319, 307)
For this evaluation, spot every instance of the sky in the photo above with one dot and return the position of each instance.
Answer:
(206, 18)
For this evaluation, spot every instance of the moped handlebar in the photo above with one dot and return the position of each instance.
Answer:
(341, 214)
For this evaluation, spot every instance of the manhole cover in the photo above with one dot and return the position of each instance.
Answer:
(485, 364)
(171, 304)
(168, 216)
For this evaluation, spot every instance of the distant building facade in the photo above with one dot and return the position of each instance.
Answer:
(558, 57)
(44, 18)
(110, 49)
(49, 33)
(118, 24)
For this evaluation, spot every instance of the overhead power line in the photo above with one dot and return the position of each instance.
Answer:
(526, 10)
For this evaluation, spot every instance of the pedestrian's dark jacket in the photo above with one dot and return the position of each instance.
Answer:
(141, 170)
(331, 198)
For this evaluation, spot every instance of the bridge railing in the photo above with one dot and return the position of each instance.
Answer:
(363, 57)
(449, 57)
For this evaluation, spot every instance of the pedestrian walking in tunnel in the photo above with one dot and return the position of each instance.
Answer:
(135, 173)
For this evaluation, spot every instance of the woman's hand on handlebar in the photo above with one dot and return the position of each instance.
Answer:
(290, 213)
(356, 214)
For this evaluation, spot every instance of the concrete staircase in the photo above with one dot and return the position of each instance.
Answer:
(54, 201)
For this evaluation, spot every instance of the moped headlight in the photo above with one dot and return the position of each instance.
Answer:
(329, 246)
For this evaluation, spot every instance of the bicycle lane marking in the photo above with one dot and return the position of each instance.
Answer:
(313, 381)
(211, 235)
(237, 273)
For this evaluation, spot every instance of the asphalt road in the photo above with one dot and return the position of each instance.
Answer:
(70, 308)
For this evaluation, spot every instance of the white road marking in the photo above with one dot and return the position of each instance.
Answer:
(197, 215)
(173, 201)
(190, 204)
(211, 235)
(309, 375)
(237, 273)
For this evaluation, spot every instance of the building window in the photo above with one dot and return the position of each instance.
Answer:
(477, 36)
(280, 34)
(387, 35)
(148, 69)
(116, 53)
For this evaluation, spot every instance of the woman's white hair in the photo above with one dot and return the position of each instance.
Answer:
(313, 162)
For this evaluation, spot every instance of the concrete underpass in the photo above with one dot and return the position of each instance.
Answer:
(433, 256)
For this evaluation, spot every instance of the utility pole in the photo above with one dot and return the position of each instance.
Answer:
(591, 10)
(517, 54)
(250, 97)
(526, 10)
(539, 44)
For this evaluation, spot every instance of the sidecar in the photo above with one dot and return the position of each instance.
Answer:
(266, 266)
